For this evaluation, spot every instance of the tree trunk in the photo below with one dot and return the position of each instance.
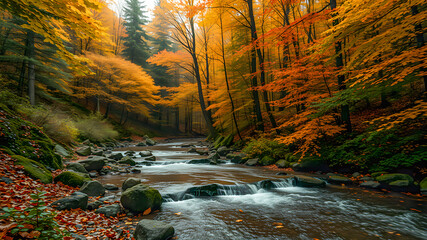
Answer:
(226, 79)
(261, 65)
(31, 69)
(345, 109)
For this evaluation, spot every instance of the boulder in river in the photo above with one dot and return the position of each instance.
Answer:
(152, 158)
(336, 179)
(60, 150)
(199, 161)
(153, 230)
(204, 191)
(370, 184)
(237, 158)
(223, 151)
(141, 144)
(98, 152)
(305, 181)
(71, 178)
(130, 182)
(282, 163)
(192, 150)
(111, 187)
(74, 201)
(77, 167)
(391, 177)
(150, 142)
(84, 151)
(110, 210)
(252, 162)
(127, 160)
(93, 163)
(140, 197)
(214, 157)
(116, 156)
(145, 153)
(93, 189)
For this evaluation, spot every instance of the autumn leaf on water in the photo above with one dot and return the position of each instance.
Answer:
(239, 220)
(178, 213)
(277, 224)
(416, 210)
(146, 212)
(240, 210)
(128, 223)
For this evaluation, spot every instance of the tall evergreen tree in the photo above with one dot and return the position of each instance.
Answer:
(136, 47)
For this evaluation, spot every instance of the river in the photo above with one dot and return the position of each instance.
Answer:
(247, 211)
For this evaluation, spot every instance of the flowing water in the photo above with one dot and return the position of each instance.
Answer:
(246, 208)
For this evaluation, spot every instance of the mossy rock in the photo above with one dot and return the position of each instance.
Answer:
(204, 191)
(73, 179)
(127, 160)
(305, 181)
(400, 183)
(227, 141)
(311, 164)
(423, 186)
(25, 139)
(391, 177)
(336, 179)
(77, 167)
(283, 164)
(139, 198)
(267, 160)
(377, 174)
(218, 141)
(34, 169)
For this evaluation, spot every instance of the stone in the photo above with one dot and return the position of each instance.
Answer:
(141, 144)
(140, 197)
(391, 177)
(377, 174)
(199, 161)
(223, 151)
(6, 180)
(93, 189)
(282, 163)
(71, 178)
(84, 151)
(150, 142)
(281, 173)
(94, 163)
(33, 169)
(98, 152)
(78, 237)
(127, 160)
(423, 186)
(130, 182)
(152, 158)
(356, 174)
(335, 179)
(311, 164)
(400, 183)
(252, 162)
(366, 178)
(93, 174)
(214, 157)
(239, 158)
(153, 230)
(267, 160)
(110, 210)
(94, 205)
(204, 191)
(370, 184)
(305, 181)
(116, 156)
(192, 150)
(74, 201)
(145, 153)
(202, 151)
(111, 187)
(60, 150)
(135, 170)
(77, 167)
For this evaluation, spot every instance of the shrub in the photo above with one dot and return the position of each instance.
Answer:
(258, 148)
(95, 129)
(33, 222)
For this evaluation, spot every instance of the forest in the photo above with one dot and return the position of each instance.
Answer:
(335, 88)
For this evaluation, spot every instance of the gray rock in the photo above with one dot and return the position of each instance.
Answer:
(98, 152)
(202, 151)
(305, 181)
(74, 201)
(145, 153)
(366, 178)
(93, 174)
(93, 189)
(77, 167)
(355, 175)
(192, 150)
(78, 237)
(141, 144)
(214, 157)
(129, 153)
(130, 182)
(93, 163)
(152, 158)
(84, 151)
(334, 179)
(370, 184)
(94, 205)
(116, 156)
(110, 210)
(111, 187)
(153, 230)
(127, 160)
(423, 186)
(223, 151)
(199, 161)
(135, 170)
(140, 197)
(60, 150)
(252, 162)
(150, 142)
(282, 164)
(6, 180)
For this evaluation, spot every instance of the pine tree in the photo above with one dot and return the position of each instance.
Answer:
(136, 47)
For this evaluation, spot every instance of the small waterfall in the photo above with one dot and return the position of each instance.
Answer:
(228, 190)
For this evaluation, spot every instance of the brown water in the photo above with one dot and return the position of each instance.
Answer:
(306, 213)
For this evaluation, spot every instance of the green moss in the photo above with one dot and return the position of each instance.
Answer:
(423, 185)
(218, 141)
(34, 169)
(377, 174)
(227, 141)
(23, 138)
(267, 160)
(128, 160)
(392, 177)
(73, 179)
